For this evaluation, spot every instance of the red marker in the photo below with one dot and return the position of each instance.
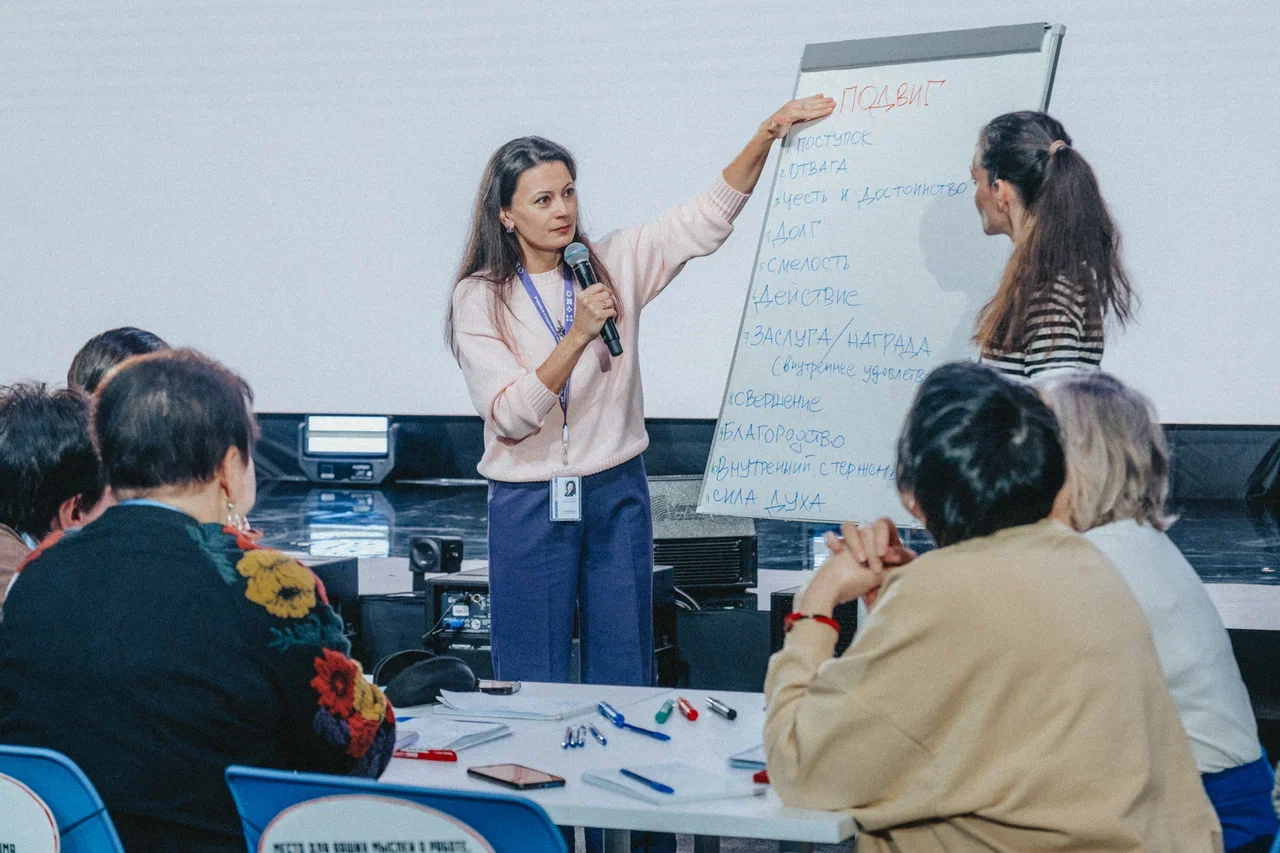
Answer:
(426, 754)
(690, 712)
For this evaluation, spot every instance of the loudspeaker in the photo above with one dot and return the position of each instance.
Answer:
(430, 555)
(712, 552)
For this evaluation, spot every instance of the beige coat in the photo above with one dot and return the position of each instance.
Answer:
(12, 552)
(1004, 695)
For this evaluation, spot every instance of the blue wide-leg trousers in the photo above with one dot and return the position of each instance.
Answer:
(542, 571)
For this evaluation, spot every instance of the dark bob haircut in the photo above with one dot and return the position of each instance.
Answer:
(46, 457)
(169, 418)
(979, 453)
(105, 351)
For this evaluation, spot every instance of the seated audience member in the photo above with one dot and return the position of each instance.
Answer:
(105, 351)
(1117, 483)
(1004, 694)
(157, 646)
(50, 479)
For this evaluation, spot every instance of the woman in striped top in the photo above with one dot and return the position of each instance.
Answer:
(1065, 276)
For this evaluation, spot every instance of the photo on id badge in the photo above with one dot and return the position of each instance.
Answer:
(566, 500)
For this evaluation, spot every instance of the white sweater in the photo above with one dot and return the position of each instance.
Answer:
(1191, 642)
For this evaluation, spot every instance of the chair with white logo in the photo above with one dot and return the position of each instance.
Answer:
(281, 810)
(50, 804)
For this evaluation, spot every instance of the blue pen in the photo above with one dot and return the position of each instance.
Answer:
(650, 732)
(657, 786)
(614, 716)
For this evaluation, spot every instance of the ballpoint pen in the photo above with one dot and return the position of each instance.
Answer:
(596, 734)
(426, 754)
(657, 786)
(613, 715)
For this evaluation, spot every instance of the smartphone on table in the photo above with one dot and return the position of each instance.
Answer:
(516, 776)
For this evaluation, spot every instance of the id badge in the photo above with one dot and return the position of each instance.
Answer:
(566, 498)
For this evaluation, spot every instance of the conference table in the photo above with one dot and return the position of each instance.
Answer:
(705, 743)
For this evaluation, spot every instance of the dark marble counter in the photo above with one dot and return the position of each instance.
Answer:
(1226, 541)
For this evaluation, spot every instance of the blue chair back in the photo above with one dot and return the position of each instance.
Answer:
(82, 819)
(509, 824)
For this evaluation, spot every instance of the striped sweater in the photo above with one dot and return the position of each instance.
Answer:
(1059, 336)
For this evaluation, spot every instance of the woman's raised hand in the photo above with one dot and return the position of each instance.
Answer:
(590, 309)
(799, 110)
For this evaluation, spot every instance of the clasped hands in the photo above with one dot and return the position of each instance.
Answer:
(859, 560)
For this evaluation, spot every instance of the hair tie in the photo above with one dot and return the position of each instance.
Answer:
(1056, 146)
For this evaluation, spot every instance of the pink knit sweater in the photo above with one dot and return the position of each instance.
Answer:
(522, 418)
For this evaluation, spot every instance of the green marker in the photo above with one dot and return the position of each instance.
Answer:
(665, 711)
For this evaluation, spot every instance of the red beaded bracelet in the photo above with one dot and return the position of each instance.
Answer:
(789, 621)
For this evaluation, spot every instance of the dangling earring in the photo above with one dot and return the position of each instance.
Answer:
(234, 521)
(240, 524)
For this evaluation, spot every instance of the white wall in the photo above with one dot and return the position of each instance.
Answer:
(286, 185)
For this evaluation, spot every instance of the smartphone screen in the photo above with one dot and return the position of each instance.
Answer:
(516, 776)
(500, 688)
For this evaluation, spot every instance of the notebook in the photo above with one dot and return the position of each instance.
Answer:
(485, 706)
(441, 733)
(749, 759)
(691, 784)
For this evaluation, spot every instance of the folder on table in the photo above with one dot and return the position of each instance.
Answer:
(748, 759)
(691, 784)
(485, 706)
(441, 733)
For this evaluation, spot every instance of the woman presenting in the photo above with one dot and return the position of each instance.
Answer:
(559, 410)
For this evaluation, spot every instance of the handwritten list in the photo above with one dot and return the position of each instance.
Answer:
(870, 270)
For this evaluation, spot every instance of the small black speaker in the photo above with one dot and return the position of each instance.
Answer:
(429, 555)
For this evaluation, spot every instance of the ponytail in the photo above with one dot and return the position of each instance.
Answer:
(1069, 231)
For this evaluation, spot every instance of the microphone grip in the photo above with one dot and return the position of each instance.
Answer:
(610, 335)
(586, 277)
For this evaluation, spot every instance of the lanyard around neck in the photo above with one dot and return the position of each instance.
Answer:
(558, 333)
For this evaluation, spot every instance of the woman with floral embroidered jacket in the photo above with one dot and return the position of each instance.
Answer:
(158, 645)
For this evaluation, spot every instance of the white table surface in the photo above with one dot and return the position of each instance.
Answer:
(706, 743)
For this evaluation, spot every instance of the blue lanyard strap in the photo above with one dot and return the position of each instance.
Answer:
(556, 332)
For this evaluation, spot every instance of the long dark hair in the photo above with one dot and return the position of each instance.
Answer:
(492, 254)
(1070, 234)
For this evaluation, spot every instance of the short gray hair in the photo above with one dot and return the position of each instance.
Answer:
(1117, 457)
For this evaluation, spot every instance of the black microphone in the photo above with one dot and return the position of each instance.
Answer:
(578, 257)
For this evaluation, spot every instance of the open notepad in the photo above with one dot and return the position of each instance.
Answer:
(691, 784)
(484, 706)
(749, 759)
(439, 733)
